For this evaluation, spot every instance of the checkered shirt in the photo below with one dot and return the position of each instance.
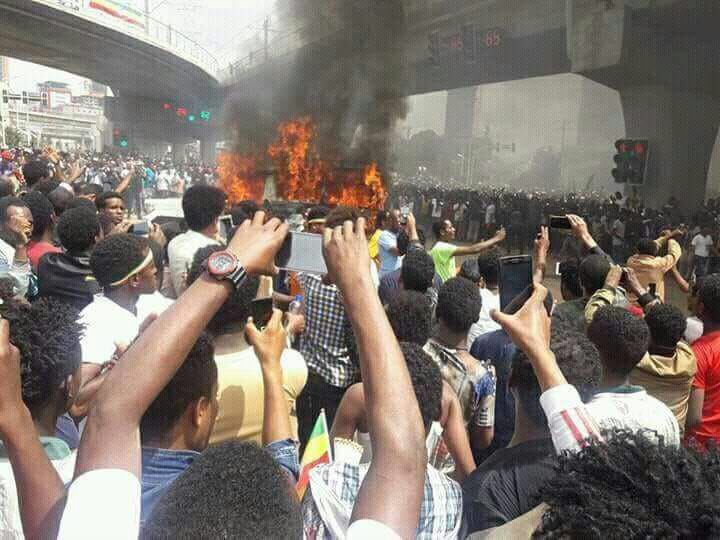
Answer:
(440, 511)
(324, 342)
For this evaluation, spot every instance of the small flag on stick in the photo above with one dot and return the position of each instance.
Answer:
(317, 451)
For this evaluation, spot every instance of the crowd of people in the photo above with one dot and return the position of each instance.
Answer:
(142, 397)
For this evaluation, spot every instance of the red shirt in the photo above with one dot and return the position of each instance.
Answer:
(707, 353)
(36, 250)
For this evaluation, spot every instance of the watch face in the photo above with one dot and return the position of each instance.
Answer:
(222, 263)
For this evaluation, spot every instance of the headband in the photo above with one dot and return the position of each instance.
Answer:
(139, 268)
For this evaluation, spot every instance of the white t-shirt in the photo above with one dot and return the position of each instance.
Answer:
(388, 262)
(369, 528)
(104, 503)
(10, 522)
(485, 323)
(635, 410)
(109, 326)
(702, 244)
(181, 252)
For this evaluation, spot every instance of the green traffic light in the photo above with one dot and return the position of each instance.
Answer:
(205, 115)
(191, 118)
(124, 144)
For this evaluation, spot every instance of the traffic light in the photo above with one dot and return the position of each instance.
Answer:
(434, 47)
(205, 115)
(631, 161)
(468, 42)
(120, 138)
(5, 96)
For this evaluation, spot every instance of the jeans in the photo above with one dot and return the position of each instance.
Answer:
(316, 396)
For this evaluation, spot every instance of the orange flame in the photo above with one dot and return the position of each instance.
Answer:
(300, 174)
(239, 178)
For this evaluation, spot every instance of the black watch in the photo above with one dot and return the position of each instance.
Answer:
(224, 265)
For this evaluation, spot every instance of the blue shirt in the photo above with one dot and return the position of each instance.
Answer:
(498, 348)
(388, 262)
(160, 468)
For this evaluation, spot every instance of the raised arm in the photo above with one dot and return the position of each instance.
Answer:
(481, 246)
(269, 346)
(542, 247)
(154, 358)
(40, 491)
(392, 490)
(580, 231)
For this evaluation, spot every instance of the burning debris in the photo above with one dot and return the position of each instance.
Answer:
(334, 114)
(300, 174)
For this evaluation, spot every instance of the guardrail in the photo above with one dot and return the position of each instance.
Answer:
(142, 27)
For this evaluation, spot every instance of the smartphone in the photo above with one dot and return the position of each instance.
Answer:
(515, 277)
(226, 226)
(141, 228)
(653, 289)
(261, 311)
(302, 252)
(560, 222)
(557, 269)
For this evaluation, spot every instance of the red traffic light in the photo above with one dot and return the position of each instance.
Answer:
(620, 145)
(167, 106)
(640, 148)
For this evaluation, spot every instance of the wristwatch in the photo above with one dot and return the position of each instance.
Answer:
(224, 265)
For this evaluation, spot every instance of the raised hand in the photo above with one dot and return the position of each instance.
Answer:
(529, 328)
(346, 253)
(256, 243)
(269, 343)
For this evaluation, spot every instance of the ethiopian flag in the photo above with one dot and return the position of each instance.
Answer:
(317, 451)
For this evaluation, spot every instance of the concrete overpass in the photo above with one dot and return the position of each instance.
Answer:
(145, 67)
(663, 56)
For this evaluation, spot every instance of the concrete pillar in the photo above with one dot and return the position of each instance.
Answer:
(460, 113)
(682, 127)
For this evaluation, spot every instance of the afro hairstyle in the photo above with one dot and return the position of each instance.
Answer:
(621, 339)
(458, 304)
(426, 380)
(577, 358)
(593, 272)
(202, 206)
(115, 256)
(667, 324)
(631, 487)
(194, 380)
(488, 266)
(232, 490)
(47, 335)
(34, 171)
(78, 228)
(236, 309)
(42, 212)
(645, 246)
(337, 216)
(410, 315)
(417, 271)
(101, 200)
(469, 270)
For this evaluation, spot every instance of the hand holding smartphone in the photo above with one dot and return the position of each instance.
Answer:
(515, 281)
(560, 222)
(261, 311)
(302, 252)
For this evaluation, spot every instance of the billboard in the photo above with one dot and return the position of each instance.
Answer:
(120, 10)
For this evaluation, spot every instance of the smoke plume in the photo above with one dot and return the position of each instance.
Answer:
(349, 78)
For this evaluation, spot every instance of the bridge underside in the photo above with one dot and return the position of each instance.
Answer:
(37, 33)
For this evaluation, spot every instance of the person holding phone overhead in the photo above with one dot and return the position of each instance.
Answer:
(444, 251)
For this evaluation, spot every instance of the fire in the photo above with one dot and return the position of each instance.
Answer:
(239, 178)
(359, 190)
(301, 175)
(299, 172)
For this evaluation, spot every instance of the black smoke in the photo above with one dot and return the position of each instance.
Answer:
(349, 77)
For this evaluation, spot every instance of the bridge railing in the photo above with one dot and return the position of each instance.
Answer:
(145, 28)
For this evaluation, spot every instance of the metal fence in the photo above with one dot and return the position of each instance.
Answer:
(145, 28)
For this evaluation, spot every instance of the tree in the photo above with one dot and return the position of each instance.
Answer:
(13, 137)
